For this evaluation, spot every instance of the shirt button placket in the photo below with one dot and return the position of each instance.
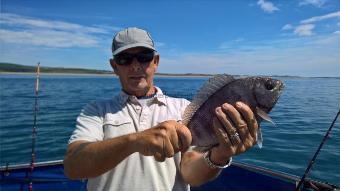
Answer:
(144, 118)
(138, 109)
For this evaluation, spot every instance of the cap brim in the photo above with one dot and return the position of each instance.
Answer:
(121, 49)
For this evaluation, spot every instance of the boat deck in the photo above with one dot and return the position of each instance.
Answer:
(238, 177)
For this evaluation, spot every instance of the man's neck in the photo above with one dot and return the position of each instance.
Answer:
(148, 93)
(151, 91)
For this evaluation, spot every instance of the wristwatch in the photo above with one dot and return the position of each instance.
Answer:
(212, 165)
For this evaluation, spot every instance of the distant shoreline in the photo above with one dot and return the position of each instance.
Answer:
(54, 74)
(17, 69)
(106, 75)
(156, 75)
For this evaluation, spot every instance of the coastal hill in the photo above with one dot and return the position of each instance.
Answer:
(18, 68)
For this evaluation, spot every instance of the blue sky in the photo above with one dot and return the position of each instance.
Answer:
(253, 37)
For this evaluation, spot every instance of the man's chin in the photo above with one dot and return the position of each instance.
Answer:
(140, 89)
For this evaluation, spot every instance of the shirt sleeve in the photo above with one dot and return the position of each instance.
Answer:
(89, 125)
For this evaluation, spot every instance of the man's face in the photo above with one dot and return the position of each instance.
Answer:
(136, 77)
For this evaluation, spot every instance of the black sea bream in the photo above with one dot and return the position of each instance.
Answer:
(260, 93)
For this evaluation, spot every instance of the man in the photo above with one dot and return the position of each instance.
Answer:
(136, 141)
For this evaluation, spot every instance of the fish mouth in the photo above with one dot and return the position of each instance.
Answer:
(275, 88)
(280, 86)
(274, 85)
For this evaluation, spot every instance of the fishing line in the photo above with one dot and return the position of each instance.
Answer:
(34, 129)
(316, 153)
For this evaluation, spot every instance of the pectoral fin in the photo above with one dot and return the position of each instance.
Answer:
(259, 139)
(264, 116)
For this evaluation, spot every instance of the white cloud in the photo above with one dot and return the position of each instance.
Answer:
(314, 56)
(17, 20)
(316, 3)
(231, 44)
(56, 39)
(287, 27)
(267, 6)
(338, 24)
(239, 40)
(320, 18)
(306, 27)
(337, 32)
(48, 33)
(304, 30)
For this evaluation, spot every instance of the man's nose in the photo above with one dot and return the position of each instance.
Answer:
(135, 65)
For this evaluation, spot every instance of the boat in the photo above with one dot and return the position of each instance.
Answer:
(49, 176)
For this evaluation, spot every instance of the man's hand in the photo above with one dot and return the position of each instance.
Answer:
(236, 128)
(164, 140)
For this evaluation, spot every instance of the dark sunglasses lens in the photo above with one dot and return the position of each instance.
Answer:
(145, 57)
(124, 59)
(142, 57)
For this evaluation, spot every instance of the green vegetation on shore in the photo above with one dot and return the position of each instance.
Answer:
(17, 68)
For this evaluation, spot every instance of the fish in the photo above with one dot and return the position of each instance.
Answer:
(259, 93)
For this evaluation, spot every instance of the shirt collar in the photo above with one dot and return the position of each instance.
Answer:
(124, 97)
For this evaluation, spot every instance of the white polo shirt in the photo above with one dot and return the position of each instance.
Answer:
(101, 120)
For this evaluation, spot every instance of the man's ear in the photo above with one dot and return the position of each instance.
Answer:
(113, 65)
(156, 61)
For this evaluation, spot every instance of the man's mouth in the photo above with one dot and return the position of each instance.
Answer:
(136, 77)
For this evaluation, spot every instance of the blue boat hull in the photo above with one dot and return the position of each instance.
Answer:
(239, 177)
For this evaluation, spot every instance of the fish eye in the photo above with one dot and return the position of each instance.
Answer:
(269, 85)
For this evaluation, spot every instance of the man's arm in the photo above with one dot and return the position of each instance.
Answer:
(230, 119)
(90, 159)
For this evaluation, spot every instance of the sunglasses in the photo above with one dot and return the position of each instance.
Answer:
(125, 59)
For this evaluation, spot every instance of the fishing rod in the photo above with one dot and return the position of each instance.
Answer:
(316, 153)
(34, 128)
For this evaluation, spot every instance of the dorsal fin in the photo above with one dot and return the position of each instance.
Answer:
(210, 87)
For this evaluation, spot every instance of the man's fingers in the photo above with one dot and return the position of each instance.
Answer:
(237, 120)
(220, 132)
(228, 126)
(174, 140)
(233, 114)
(168, 150)
(159, 157)
(184, 137)
(224, 119)
(248, 115)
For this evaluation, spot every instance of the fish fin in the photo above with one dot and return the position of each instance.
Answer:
(209, 88)
(259, 139)
(264, 116)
